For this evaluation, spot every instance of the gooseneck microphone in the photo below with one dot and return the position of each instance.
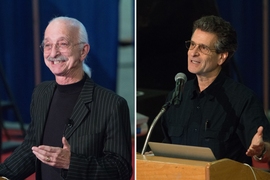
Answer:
(180, 80)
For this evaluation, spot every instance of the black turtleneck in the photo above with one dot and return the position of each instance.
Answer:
(64, 99)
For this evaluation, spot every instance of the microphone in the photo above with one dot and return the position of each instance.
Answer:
(180, 80)
(70, 123)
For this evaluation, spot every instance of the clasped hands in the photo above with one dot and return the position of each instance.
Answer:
(54, 156)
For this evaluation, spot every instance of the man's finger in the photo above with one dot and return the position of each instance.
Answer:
(65, 143)
(260, 131)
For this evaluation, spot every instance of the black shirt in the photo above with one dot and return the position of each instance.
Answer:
(224, 117)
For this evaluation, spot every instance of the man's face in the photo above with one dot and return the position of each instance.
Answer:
(204, 64)
(64, 57)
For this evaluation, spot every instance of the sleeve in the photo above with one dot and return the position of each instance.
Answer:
(115, 163)
(21, 163)
(253, 116)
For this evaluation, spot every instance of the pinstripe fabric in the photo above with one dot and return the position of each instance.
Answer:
(100, 137)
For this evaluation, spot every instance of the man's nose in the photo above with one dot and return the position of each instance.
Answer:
(195, 50)
(54, 51)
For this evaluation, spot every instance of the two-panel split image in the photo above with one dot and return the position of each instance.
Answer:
(135, 90)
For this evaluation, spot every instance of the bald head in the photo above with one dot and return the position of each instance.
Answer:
(72, 25)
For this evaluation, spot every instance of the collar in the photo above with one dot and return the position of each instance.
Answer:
(211, 90)
(71, 88)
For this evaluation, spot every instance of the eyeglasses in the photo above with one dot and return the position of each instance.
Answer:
(60, 46)
(203, 48)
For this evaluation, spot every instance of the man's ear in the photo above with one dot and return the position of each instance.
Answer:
(222, 58)
(85, 50)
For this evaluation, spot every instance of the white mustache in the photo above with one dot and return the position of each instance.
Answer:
(60, 58)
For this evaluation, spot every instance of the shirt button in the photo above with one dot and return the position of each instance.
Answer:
(198, 107)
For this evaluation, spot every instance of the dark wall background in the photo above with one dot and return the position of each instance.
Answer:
(162, 28)
(247, 18)
(100, 19)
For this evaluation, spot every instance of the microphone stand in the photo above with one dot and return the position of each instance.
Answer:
(163, 110)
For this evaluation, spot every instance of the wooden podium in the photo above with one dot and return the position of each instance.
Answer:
(157, 167)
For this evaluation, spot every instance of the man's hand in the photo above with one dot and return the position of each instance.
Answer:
(257, 145)
(54, 156)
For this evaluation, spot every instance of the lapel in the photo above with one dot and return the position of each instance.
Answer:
(81, 108)
(44, 103)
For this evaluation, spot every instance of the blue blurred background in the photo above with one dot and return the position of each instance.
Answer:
(109, 25)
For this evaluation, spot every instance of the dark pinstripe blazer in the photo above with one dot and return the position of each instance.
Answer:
(100, 137)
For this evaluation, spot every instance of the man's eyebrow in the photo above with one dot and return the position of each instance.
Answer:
(59, 39)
